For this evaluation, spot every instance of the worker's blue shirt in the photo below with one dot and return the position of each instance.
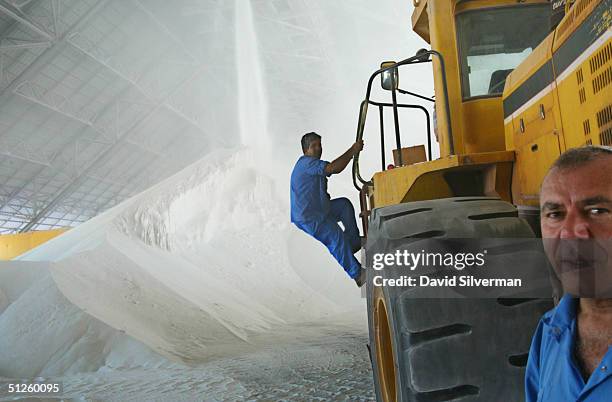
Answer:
(309, 198)
(552, 371)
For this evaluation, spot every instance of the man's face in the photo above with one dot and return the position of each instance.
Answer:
(314, 149)
(576, 222)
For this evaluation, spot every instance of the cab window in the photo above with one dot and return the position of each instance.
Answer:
(492, 42)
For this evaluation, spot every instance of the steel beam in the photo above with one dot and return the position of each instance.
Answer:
(76, 136)
(23, 45)
(75, 182)
(10, 154)
(135, 85)
(51, 52)
(18, 15)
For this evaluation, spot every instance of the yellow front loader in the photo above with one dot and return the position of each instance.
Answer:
(515, 86)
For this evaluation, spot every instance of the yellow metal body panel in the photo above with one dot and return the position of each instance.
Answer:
(14, 245)
(569, 112)
(533, 129)
(420, 20)
(425, 180)
(514, 137)
(482, 125)
(581, 122)
(585, 98)
(532, 162)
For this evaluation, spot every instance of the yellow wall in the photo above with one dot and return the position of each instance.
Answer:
(16, 244)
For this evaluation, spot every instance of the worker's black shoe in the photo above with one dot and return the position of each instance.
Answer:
(362, 243)
(361, 279)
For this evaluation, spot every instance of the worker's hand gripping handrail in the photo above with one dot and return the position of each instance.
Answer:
(363, 109)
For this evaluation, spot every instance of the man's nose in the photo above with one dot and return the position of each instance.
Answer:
(575, 226)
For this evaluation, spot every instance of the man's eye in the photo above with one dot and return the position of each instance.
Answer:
(598, 211)
(553, 215)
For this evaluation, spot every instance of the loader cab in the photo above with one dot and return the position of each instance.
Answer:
(482, 41)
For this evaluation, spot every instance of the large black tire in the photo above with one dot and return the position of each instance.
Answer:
(448, 349)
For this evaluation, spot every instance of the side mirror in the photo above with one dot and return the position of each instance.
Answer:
(389, 79)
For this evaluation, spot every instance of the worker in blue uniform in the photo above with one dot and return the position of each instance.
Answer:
(315, 213)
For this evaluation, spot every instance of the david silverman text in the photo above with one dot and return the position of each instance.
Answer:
(461, 281)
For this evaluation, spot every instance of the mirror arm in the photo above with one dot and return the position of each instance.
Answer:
(404, 92)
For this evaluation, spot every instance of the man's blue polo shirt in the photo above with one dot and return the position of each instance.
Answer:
(552, 372)
(309, 198)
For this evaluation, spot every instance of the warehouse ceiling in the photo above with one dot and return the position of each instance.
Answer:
(99, 99)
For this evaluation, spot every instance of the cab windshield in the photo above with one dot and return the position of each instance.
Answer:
(493, 42)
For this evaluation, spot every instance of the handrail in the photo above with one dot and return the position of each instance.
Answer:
(407, 106)
(363, 109)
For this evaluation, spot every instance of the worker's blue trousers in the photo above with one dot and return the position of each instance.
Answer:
(341, 244)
